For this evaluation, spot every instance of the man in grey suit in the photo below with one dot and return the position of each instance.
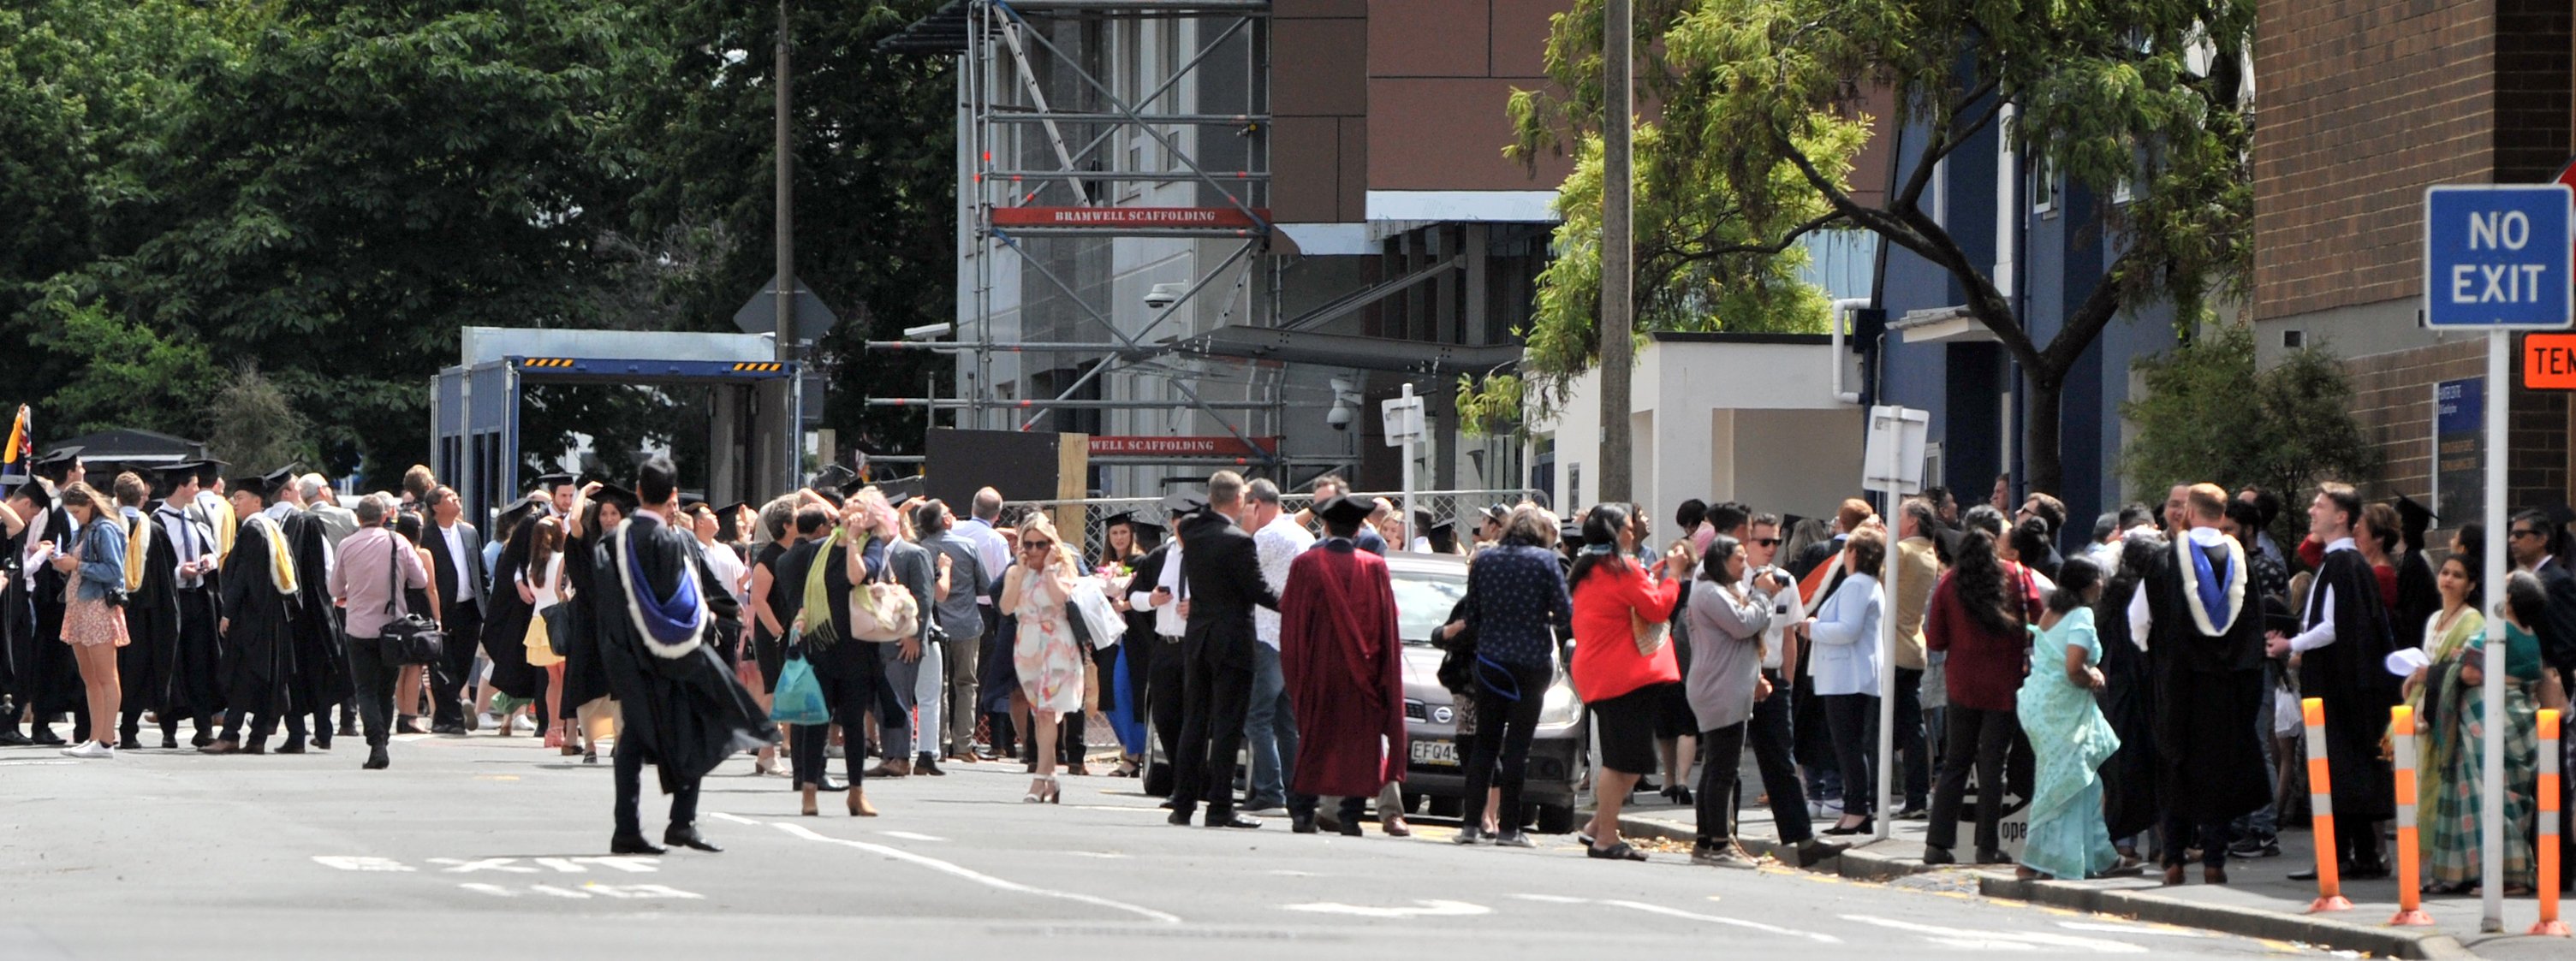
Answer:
(456, 563)
(323, 504)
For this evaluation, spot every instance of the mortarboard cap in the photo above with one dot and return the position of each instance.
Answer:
(729, 520)
(1181, 504)
(171, 477)
(624, 499)
(548, 482)
(1497, 512)
(1569, 532)
(36, 490)
(514, 515)
(2413, 519)
(53, 464)
(1131, 519)
(1345, 509)
(260, 486)
(833, 477)
(209, 470)
(852, 487)
(279, 478)
(898, 500)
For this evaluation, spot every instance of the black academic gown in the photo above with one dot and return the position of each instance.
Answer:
(145, 664)
(682, 708)
(259, 649)
(505, 620)
(2129, 784)
(2418, 597)
(50, 678)
(195, 685)
(2352, 677)
(585, 678)
(322, 678)
(2209, 686)
(17, 623)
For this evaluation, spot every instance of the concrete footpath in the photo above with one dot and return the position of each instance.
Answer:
(2259, 901)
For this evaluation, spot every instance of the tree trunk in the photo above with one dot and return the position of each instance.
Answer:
(1618, 278)
(2043, 466)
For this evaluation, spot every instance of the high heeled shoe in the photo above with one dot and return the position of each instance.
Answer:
(1867, 822)
(1044, 790)
(808, 793)
(859, 806)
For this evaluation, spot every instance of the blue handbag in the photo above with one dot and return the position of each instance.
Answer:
(799, 697)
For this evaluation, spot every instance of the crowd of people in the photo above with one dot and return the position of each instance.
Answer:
(2136, 694)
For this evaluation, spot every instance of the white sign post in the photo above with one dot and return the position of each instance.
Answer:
(2496, 258)
(1892, 464)
(1402, 415)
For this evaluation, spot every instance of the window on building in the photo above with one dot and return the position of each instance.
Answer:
(2043, 186)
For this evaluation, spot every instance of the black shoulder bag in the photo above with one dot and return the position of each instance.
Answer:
(407, 638)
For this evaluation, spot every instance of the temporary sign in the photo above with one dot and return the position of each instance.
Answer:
(2549, 361)
(2497, 256)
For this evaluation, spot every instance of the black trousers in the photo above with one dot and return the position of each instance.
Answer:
(1216, 689)
(1163, 696)
(448, 679)
(196, 669)
(247, 728)
(1717, 783)
(373, 679)
(1980, 739)
(1852, 719)
(849, 673)
(630, 793)
(1504, 727)
(2214, 838)
(1913, 760)
(1768, 733)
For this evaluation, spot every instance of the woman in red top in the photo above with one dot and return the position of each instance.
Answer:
(1622, 686)
(1976, 618)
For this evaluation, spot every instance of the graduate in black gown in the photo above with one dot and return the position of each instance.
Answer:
(2418, 597)
(585, 679)
(144, 664)
(2129, 784)
(49, 680)
(2204, 625)
(684, 712)
(195, 688)
(260, 597)
(321, 680)
(505, 627)
(2341, 646)
(28, 501)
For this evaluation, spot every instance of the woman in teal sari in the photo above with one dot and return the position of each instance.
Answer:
(2456, 726)
(2068, 735)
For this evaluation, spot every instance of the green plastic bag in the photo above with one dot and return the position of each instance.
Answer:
(799, 698)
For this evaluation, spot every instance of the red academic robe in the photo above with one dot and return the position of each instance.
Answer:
(1344, 665)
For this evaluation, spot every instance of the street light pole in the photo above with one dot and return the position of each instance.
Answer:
(791, 416)
(1618, 301)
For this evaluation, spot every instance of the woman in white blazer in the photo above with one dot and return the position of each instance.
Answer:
(1844, 664)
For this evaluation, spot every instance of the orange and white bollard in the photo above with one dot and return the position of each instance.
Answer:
(2321, 811)
(2410, 896)
(2547, 834)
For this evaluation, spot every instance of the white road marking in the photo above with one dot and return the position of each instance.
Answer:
(735, 818)
(979, 877)
(1428, 909)
(462, 866)
(2131, 929)
(359, 863)
(1103, 855)
(494, 890)
(562, 865)
(2000, 940)
(33, 763)
(1734, 922)
(558, 892)
(911, 836)
(1551, 898)
(629, 863)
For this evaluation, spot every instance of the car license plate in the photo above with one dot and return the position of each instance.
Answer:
(1436, 753)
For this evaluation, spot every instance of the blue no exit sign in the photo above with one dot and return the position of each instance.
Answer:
(2497, 256)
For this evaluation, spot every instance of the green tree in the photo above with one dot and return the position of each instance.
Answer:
(2208, 415)
(261, 429)
(128, 376)
(2147, 94)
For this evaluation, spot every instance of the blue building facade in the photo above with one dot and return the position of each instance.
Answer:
(1975, 391)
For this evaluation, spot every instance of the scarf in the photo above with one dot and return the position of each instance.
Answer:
(281, 561)
(138, 549)
(820, 632)
(671, 626)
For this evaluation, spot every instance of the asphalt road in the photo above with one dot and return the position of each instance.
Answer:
(496, 847)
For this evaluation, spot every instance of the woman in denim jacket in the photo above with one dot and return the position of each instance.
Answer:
(92, 626)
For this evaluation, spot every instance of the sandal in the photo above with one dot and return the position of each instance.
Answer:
(1616, 852)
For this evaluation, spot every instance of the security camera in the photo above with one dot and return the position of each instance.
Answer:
(1160, 296)
(1346, 400)
(1339, 417)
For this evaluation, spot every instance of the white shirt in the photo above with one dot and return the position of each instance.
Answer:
(1167, 618)
(990, 549)
(1786, 608)
(1279, 543)
(2322, 632)
(184, 540)
(456, 556)
(729, 569)
(2141, 619)
(543, 586)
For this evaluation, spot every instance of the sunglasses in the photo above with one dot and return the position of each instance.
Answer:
(1767, 541)
(1036, 545)
(2524, 532)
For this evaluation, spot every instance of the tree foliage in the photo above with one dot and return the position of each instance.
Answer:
(331, 191)
(2146, 93)
(2208, 415)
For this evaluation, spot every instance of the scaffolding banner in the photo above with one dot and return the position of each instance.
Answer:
(1115, 446)
(1138, 217)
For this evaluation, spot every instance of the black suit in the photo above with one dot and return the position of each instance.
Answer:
(460, 611)
(1221, 580)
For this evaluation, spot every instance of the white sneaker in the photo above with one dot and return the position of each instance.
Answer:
(523, 724)
(90, 750)
(490, 720)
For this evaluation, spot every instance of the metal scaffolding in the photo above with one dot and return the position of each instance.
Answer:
(1037, 124)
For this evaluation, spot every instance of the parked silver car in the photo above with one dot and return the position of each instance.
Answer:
(1427, 586)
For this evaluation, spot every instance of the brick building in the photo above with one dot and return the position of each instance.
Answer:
(2361, 105)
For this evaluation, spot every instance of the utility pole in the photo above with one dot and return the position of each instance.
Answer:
(1618, 301)
(786, 241)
